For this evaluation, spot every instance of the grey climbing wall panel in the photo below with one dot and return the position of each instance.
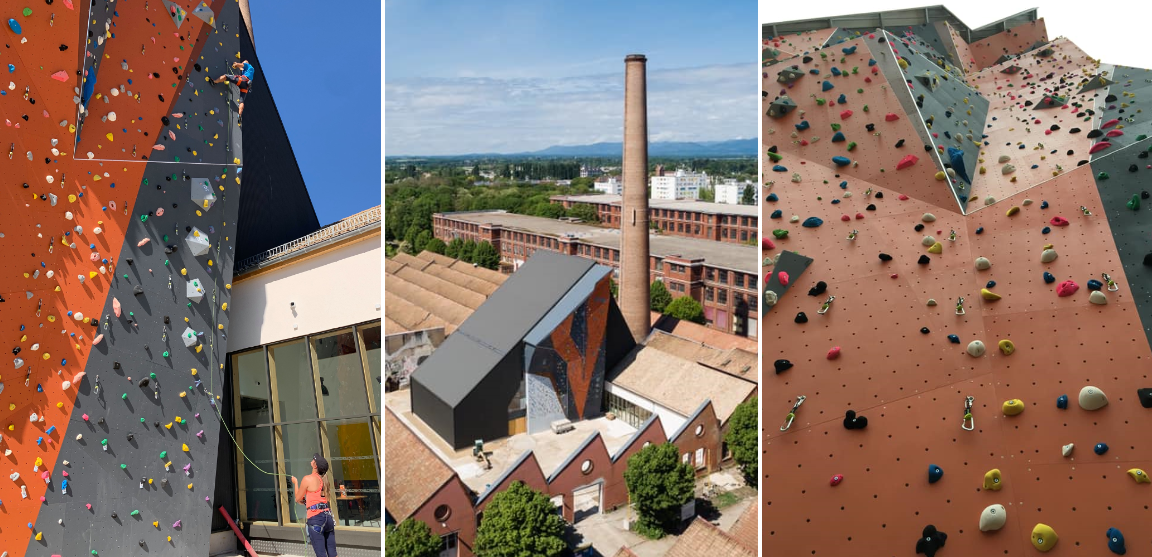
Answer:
(788, 262)
(1131, 85)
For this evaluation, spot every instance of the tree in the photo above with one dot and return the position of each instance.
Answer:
(742, 438)
(520, 522)
(435, 245)
(453, 248)
(685, 308)
(422, 240)
(658, 296)
(659, 484)
(706, 193)
(486, 256)
(548, 210)
(466, 250)
(585, 212)
(406, 247)
(749, 196)
(389, 251)
(412, 538)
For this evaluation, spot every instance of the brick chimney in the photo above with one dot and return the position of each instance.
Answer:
(634, 276)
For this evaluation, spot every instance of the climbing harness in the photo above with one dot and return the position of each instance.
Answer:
(969, 422)
(852, 235)
(827, 304)
(792, 415)
(1112, 286)
(960, 305)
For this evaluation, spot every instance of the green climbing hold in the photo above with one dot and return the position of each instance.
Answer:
(865, 109)
(27, 12)
(1102, 176)
(104, 442)
(1134, 203)
(821, 102)
(125, 275)
(835, 127)
(124, 396)
(152, 375)
(143, 218)
(189, 304)
(856, 70)
(165, 353)
(165, 261)
(141, 420)
(145, 181)
(851, 145)
(859, 91)
(135, 513)
(130, 314)
(123, 466)
(1142, 137)
(780, 234)
(163, 454)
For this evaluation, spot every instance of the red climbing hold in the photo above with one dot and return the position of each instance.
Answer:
(1099, 147)
(891, 117)
(1114, 133)
(1059, 221)
(803, 142)
(1067, 288)
(1109, 123)
(835, 481)
(845, 218)
(845, 115)
(902, 197)
(859, 216)
(906, 162)
(867, 80)
(834, 353)
(767, 244)
(783, 278)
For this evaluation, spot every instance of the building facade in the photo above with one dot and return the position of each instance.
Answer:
(733, 223)
(610, 186)
(731, 191)
(720, 276)
(682, 184)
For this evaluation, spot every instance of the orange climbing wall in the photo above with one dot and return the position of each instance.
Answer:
(963, 52)
(1016, 40)
(793, 44)
(911, 386)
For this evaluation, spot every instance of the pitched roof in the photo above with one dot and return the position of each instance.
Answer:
(747, 526)
(680, 384)
(702, 538)
(733, 361)
(430, 290)
(414, 472)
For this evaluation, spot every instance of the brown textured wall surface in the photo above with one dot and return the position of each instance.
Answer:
(634, 283)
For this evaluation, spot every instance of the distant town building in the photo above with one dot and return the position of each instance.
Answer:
(693, 219)
(683, 184)
(731, 191)
(611, 186)
(590, 171)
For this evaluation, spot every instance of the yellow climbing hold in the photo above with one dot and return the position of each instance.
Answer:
(1011, 408)
(193, 371)
(224, 306)
(185, 447)
(1139, 475)
(989, 295)
(1044, 537)
(189, 486)
(939, 175)
(39, 536)
(51, 318)
(59, 404)
(47, 355)
(169, 539)
(183, 394)
(936, 248)
(1013, 210)
(155, 524)
(992, 480)
(184, 272)
(109, 136)
(1006, 347)
(228, 286)
(168, 425)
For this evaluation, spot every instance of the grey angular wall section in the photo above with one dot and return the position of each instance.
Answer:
(133, 348)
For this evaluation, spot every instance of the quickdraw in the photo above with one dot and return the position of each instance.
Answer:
(1112, 286)
(827, 305)
(792, 415)
(960, 305)
(969, 422)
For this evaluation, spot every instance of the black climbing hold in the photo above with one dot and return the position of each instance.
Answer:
(954, 339)
(924, 260)
(113, 515)
(818, 289)
(807, 59)
(930, 541)
(1110, 98)
(131, 437)
(886, 257)
(1094, 134)
(852, 421)
(919, 227)
(925, 330)
(165, 120)
(115, 365)
(1145, 396)
(927, 148)
(143, 382)
(899, 143)
(161, 96)
(878, 195)
(1133, 168)
(187, 229)
(1148, 260)
(870, 207)
(1082, 162)
(129, 260)
(165, 319)
(782, 365)
(1144, 194)
(1054, 127)
(1142, 155)
(801, 318)
(138, 290)
(1074, 130)
(870, 127)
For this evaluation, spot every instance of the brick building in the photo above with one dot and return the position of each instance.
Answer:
(692, 219)
(720, 275)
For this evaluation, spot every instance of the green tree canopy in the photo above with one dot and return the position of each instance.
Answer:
(585, 212)
(658, 296)
(486, 256)
(435, 245)
(749, 195)
(742, 438)
(548, 210)
(686, 308)
(466, 251)
(422, 240)
(659, 484)
(706, 193)
(520, 522)
(453, 248)
(411, 538)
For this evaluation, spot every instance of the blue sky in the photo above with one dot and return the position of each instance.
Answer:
(520, 75)
(323, 67)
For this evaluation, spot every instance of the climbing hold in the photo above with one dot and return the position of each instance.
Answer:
(1044, 537)
(1006, 347)
(954, 339)
(801, 318)
(1140, 476)
(924, 260)
(819, 289)
(1098, 297)
(931, 302)
(992, 480)
(1100, 448)
(852, 421)
(782, 365)
(1049, 278)
(936, 248)
(992, 518)
(1092, 398)
(835, 481)
(925, 330)
(930, 541)
(1145, 396)
(906, 162)
(780, 234)
(1116, 541)
(989, 295)
(976, 349)
(1013, 210)
(1013, 407)
(1134, 203)
(812, 222)
(14, 26)
(1094, 284)
(1066, 450)
(934, 473)
(983, 264)
(1066, 288)
(1058, 220)
(834, 353)
(1062, 402)
(886, 257)
(928, 217)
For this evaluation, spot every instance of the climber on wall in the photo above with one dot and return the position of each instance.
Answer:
(310, 492)
(243, 81)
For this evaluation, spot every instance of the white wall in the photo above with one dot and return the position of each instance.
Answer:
(334, 289)
(669, 418)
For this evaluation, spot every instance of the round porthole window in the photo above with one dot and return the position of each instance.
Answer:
(586, 467)
(442, 513)
(699, 430)
(646, 443)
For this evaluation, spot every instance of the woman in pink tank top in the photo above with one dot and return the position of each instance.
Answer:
(320, 525)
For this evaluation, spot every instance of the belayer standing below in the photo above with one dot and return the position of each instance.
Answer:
(243, 81)
(310, 492)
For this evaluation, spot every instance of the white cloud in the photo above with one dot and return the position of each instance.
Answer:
(443, 116)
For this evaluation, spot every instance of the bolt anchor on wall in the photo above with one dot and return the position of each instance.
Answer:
(969, 422)
(960, 305)
(827, 305)
(792, 415)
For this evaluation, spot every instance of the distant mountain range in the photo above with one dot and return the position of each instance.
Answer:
(729, 148)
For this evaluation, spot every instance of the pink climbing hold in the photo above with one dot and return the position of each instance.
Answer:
(68, 4)
(1059, 221)
(85, 416)
(76, 378)
(846, 114)
(1109, 123)
(65, 473)
(783, 278)
(835, 481)
(1099, 147)
(89, 505)
(906, 162)
(143, 242)
(859, 216)
(157, 147)
(1067, 288)
(891, 117)
(97, 340)
(845, 218)
(116, 306)
(834, 353)
(60, 76)
(767, 244)
(1114, 133)
(172, 135)
(176, 524)
(902, 197)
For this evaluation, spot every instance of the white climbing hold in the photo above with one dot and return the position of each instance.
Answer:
(931, 302)
(1004, 158)
(989, 200)
(795, 218)
(928, 217)
(97, 230)
(976, 349)
(1092, 398)
(112, 115)
(1048, 256)
(68, 215)
(928, 241)
(770, 298)
(983, 264)
(1026, 202)
(64, 386)
(1008, 169)
(1067, 449)
(993, 518)
(1097, 297)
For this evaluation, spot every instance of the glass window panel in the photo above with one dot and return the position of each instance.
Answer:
(354, 472)
(295, 390)
(342, 388)
(259, 492)
(253, 381)
(298, 442)
(370, 337)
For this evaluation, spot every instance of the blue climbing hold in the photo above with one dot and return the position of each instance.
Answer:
(50, 430)
(1035, 166)
(842, 99)
(1100, 448)
(1049, 278)
(990, 284)
(779, 168)
(803, 125)
(812, 222)
(836, 72)
(1062, 402)
(956, 159)
(39, 388)
(842, 161)
(814, 71)
(838, 137)
(849, 49)
(773, 197)
(980, 230)
(777, 214)
(954, 339)
(14, 25)
(1046, 230)
(844, 185)
(871, 62)
(835, 201)
(934, 473)
(827, 86)
(1094, 284)
(1043, 204)
(1116, 542)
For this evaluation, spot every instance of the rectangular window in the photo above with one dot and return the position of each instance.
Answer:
(722, 296)
(722, 276)
(295, 445)
(292, 381)
(353, 470)
(752, 303)
(709, 274)
(708, 296)
(252, 405)
(738, 279)
(337, 361)
(743, 235)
